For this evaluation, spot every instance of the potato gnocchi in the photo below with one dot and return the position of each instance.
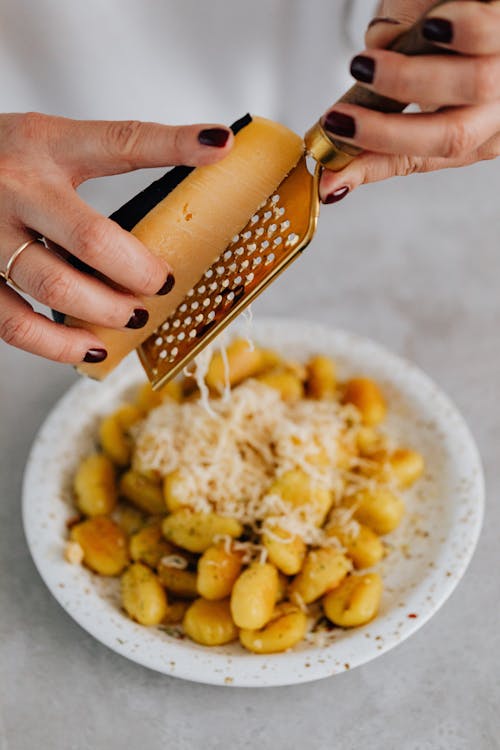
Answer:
(250, 506)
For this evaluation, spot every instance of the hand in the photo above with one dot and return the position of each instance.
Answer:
(42, 161)
(460, 96)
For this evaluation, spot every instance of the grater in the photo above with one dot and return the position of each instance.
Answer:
(272, 239)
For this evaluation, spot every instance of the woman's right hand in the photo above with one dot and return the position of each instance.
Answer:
(43, 159)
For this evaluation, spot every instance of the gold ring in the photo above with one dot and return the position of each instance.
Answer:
(7, 274)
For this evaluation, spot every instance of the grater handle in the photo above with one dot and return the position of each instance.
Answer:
(335, 154)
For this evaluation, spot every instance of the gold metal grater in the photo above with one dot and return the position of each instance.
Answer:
(274, 236)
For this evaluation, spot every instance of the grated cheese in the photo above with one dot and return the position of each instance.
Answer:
(227, 457)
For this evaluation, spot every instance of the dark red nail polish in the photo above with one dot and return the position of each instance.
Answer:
(95, 355)
(167, 286)
(363, 68)
(337, 195)
(340, 124)
(138, 319)
(438, 30)
(213, 137)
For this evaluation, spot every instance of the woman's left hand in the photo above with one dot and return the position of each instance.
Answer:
(460, 96)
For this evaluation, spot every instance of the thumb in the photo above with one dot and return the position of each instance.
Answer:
(92, 148)
(371, 167)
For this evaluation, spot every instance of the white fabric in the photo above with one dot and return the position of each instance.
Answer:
(178, 61)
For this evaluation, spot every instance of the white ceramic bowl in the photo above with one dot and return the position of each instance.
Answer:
(430, 551)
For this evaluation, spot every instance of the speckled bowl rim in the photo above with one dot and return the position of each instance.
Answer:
(72, 586)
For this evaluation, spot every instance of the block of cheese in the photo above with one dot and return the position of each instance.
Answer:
(194, 223)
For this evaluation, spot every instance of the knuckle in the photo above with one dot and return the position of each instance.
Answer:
(458, 141)
(32, 126)
(124, 137)
(54, 288)
(91, 237)
(16, 329)
(407, 165)
(178, 144)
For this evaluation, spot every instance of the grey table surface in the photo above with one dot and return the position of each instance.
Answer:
(415, 264)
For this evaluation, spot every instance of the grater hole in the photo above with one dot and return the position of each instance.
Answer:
(176, 323)
(225, 282)
(237, 280)
(280, 211)
(202, 289)
(270, 258)
(165, 326)
(275, 198)
(230, 296)
(259, 232)
(267, 215)
(181, 336)
(174, 352)
(255, 218)
(239, 251)
(227, 255)
(277, 241)
(246, 235)
(235, 239)
(213, 286)
(250, 277)
(206, 302)
(257, 261)
(169, 338)
(199, 318)
(232, 267)
(192, 334)
(292, 238)
(162, 354)
(284, 225)
(211, 315)
(244, 265)
(251, 247)
(158, 341)
(220, 270)
(218, 299)
(183, 308)
(209, 273)
(190, 293)
(188, 320)
(271, 229)
(195, 305)
(265, 245)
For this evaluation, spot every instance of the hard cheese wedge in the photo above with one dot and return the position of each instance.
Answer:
(192, 225)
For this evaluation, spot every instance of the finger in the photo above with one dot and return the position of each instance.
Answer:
(469, 27)
(429, 80)
(62, 216)
(25, 329)
(370, 167)
(393, 18)
(450, 133)
(46, 277)
(111, 147)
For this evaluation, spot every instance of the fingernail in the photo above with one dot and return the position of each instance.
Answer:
(340, 124)
(363, 68)
(213, 137)
(95, 355)
(383, 19)
(167, 286)
(438, 30)
(337, 195)
(139, 318)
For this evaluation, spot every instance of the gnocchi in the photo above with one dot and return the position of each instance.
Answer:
(249, 549)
